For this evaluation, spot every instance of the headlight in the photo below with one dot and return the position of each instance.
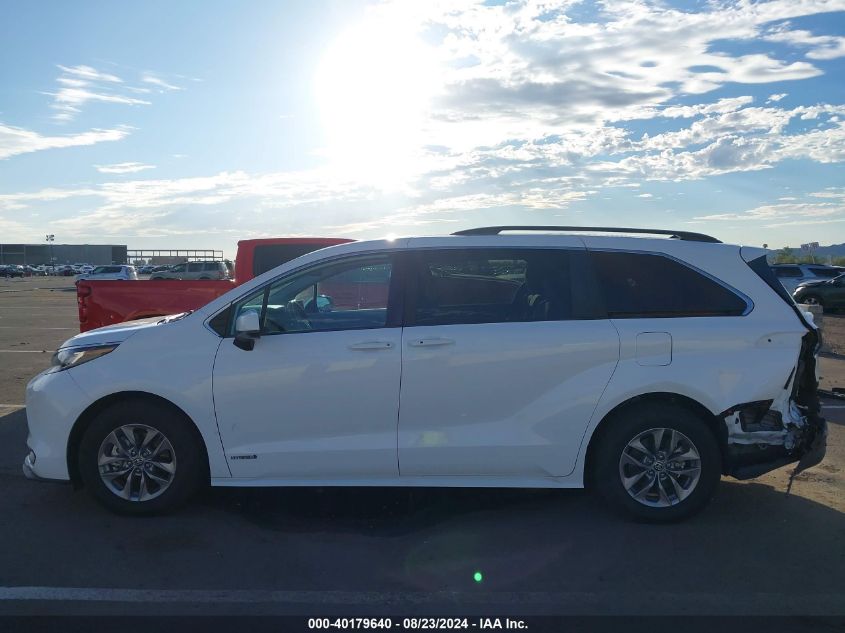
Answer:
(73, 356)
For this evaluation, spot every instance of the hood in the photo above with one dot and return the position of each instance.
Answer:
(116, 333)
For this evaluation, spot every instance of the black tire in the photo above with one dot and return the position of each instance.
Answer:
(190, 461)
(813, 300)
(628, 424)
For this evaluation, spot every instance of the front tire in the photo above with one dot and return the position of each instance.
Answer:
(659, 462)
(141, 458)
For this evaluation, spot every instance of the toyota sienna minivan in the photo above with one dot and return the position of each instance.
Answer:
(534, 357)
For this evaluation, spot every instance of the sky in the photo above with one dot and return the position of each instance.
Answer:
(194, 124)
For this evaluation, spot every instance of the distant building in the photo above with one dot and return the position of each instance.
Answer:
(36, 254)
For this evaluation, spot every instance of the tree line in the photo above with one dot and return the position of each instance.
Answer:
(787, 255)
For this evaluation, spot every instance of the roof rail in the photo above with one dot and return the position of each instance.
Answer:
(686, 236)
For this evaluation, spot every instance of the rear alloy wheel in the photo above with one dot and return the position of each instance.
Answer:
(660, 467)
(813, 300)
(658, 462)
(141, 457)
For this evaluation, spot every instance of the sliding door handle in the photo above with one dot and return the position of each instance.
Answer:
(430, 342)
(370, 345)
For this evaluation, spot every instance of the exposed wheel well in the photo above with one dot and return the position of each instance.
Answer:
(84, 420)
(693, 406)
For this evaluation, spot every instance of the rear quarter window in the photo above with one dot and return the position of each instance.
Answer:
(643, 285)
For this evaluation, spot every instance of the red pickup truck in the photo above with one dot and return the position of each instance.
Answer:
(107, 302)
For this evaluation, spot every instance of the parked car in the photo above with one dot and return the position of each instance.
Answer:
(197, 270)
(116, 272)
(11, 271)
(105, 302)
(791, 275)
(145, 270)
(526, 360)
(827, 293)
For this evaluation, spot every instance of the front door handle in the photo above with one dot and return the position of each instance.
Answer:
(371, 345)
(430, 342)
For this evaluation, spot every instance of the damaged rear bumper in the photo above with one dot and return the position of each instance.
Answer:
(748, 456)
(759, 437)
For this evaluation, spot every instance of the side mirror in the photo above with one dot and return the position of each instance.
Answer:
(247, 329)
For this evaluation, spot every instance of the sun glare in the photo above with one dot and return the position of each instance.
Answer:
(374, 87)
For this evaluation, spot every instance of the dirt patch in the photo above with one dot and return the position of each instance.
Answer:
(833, 332)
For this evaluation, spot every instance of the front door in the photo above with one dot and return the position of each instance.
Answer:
(318, 395)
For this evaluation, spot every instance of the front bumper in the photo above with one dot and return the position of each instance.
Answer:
(29, 471)
(27, 466)
(53, 404)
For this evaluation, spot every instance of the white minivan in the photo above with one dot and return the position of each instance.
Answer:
(115, 272)
(546, 357)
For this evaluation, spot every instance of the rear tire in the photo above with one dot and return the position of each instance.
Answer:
(658, 462)
(141, 458)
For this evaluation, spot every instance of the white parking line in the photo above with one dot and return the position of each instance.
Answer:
(12, 406)
(561, 602)
(27, 351)
(30, 327)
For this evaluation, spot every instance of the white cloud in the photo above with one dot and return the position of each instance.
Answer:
(68, 102)
(791, 213)
(158, 82)
(79, 85)
(747, 139)
(820, 46)
(535, 67)
(15, 140)
(776, 97)
(123, 168)
(89, 74)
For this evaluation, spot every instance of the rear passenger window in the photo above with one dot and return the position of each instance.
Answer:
(210, 267)
(194, 267)
(787, 271)
(492, 286)
(643, 285)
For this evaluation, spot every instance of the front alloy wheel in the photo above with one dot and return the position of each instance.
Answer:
(140, 456)
(137, 462)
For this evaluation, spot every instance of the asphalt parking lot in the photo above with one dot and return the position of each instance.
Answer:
(755, 550)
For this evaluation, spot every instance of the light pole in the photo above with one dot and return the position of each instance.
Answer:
(50, 239)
